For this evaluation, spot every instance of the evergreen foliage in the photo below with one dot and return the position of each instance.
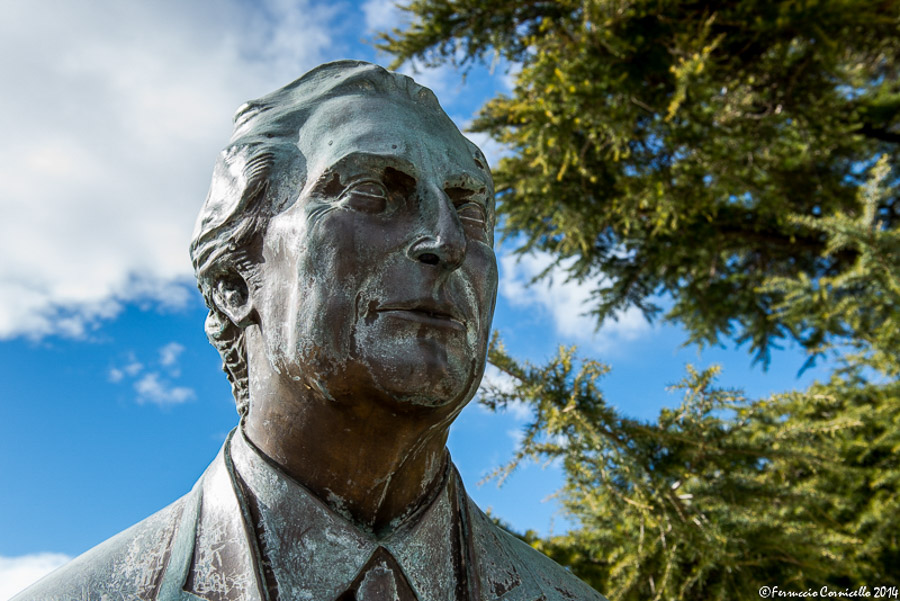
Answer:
(740, 158)
(669, 145)
(724, 494)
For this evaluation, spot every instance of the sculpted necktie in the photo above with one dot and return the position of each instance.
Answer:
(381, 579)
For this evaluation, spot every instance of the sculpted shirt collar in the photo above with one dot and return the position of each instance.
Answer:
(301, 537)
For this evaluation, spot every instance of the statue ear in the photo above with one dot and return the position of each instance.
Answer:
(232, 297)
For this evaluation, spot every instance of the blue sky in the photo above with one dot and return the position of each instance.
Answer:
(113, 400)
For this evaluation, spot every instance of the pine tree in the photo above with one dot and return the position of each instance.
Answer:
(668, 145)
(739, 158)
(724, 494)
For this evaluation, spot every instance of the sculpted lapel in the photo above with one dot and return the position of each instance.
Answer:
(216, 517)
(213, 556)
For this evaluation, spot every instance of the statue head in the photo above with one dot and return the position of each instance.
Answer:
(349, 224)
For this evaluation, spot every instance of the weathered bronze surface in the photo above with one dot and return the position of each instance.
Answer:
(345, 253)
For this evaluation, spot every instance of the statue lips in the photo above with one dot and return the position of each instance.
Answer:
(426, 311)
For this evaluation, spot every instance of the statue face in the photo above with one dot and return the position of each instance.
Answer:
(379, 282)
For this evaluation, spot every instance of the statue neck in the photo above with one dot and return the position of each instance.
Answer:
(364, 461)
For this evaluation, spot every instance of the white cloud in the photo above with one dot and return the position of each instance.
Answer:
(151, 389)
(383, 16)
(130, 369)
(503, 382)
(500, 380)
(168, 355)
(566, 301)
(16, 573)
(509, 75)
(517, 436)
(134, 367)
(112, 115)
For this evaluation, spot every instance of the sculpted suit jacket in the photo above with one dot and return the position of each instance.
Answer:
(202, 547)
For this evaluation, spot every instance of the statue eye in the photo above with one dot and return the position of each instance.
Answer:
(472, 214)
(368, 197)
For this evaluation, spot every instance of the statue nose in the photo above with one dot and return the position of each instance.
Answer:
(442, 241)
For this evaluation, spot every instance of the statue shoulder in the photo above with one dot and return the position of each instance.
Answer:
(557, 582)
(127, 566)
(537, 573)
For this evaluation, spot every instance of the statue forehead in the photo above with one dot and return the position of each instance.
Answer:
(286, 109)
(349, 106)
(388, 126)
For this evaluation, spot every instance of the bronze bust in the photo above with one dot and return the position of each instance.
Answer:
(345, 253)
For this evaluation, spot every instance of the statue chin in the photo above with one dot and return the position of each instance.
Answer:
(429, 374)
(435, 399)
(444, 387)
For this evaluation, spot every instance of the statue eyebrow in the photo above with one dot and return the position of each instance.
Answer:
(465, 186)
(467, 181)
(355, 164)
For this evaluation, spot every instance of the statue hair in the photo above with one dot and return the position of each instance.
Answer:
(259, 175)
